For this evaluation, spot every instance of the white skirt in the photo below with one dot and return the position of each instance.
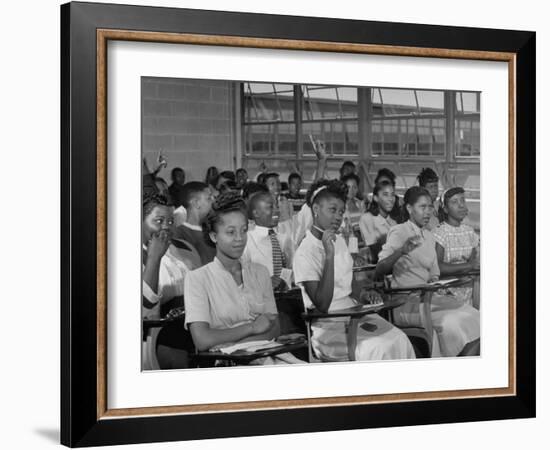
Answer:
(329, 340)
(455, 323)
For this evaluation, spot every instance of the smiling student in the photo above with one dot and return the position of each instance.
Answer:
(323, 267)
(377, 221)
(409, 255)
(229, 300)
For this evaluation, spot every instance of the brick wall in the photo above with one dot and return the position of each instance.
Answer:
(191, 121)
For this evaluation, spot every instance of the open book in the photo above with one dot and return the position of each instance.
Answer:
(250, 347)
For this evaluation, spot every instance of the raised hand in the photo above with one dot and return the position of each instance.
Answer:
(410, 244)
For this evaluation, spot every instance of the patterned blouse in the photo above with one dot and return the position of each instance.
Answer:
(458, 243)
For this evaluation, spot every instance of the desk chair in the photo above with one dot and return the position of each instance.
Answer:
(425, 329)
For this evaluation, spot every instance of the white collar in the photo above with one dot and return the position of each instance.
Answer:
(192, 227)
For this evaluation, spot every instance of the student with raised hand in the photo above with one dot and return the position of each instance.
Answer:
(377, 221)
(457, 244)
(428, 179)
(323, 267)
(196, 198)
(269, 242)
(228, 300)
(409, 255)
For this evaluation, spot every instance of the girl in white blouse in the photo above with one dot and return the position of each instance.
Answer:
(323, 267)
(377, 221)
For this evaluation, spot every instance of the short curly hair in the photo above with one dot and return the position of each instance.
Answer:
(152, 199)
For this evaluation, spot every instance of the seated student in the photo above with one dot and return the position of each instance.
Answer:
(178, 180)
(355, 207)
(323, 267)
(385, 174)
(376, 222)
(409, 254)
(283, 209)
(163, 277)
(229, 300)
(429, 180)
(269, 242)
(457, 244)
(197, 199)
(347, 168)
(295, 198)
(241, 178)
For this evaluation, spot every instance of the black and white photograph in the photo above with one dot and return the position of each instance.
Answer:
(287, 223)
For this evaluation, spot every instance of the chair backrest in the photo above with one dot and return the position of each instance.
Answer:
(291, 306)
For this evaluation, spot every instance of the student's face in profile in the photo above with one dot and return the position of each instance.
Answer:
(230, 235)
(221, 180)
(329, 213)
(203, 202)
(385, 198)
(352, 189)
(456, 207)
(294, 186)
(159, 219)
(263, 212)
(273, 185)
(433, 188)
(421, 211)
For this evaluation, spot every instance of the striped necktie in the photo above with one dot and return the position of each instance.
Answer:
(277, 254)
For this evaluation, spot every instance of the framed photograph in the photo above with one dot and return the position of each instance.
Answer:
(308, 254)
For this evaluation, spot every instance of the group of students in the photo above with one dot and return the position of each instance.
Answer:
(240, 241)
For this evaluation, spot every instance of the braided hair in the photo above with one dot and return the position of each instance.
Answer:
(226, 203)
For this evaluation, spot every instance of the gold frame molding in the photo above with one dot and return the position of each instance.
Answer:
(103, 36)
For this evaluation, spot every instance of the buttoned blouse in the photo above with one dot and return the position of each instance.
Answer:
(212, 295)
(374, 228)
(417, 267)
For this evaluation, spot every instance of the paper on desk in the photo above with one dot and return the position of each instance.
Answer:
(443, 282)
(286, 276)
(353, 244)
(250, 346)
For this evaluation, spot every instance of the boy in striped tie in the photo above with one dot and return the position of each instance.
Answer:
(269, 242)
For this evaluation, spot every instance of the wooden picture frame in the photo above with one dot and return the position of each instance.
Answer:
(85, 416)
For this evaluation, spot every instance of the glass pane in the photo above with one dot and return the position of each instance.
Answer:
(431, 102)
(467, 102)
(392, 102)
(268, 102)
(467, 137)
(328, 102)
(270, 139)
(340, 137)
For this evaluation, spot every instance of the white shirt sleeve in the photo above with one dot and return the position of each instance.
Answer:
(394, 241)
(368, 230)
(306, 268)
(197, 305)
